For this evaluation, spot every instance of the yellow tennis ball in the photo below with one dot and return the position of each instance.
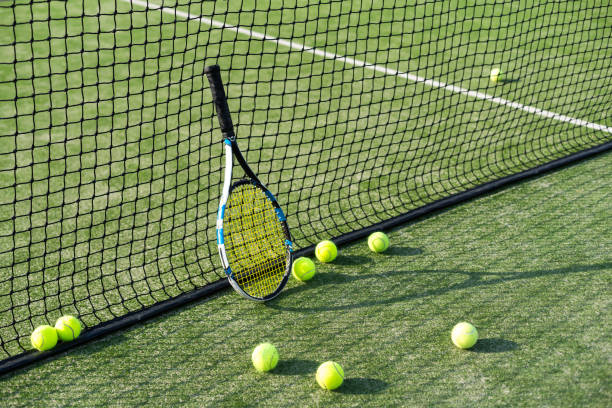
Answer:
(464, 335)
(496, 75)
(326, 251)
(68, 328)
(378, 242)
(330, 375)
(303, 269)
(44, 338)
(264, 357)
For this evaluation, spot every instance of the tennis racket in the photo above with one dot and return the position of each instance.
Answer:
(252, 234)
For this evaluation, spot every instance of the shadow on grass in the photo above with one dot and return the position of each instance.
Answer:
(507, 81)
(362, 386)
(494, 345)
(295, 367)
(102, 343)
(473, 280)
(403, 251)
(94, 346)
(352, 260)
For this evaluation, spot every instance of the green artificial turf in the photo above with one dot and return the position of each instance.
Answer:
(530, 266)
(111, 157)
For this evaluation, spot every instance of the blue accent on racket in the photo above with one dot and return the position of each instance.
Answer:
(220, 236)
(270, 196)
(221, 212)
(280, 214)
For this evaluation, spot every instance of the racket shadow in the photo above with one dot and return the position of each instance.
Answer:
(472, 280)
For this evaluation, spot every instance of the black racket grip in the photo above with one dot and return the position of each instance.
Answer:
(213, 73)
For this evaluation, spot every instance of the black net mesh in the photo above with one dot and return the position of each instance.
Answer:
(351, 112)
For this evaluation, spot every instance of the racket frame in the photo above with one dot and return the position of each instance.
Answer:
(232, 150)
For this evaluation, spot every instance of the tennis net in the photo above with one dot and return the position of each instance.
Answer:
(353, 112)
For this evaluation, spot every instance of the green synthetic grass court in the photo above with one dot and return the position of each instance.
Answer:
(117, 158)
(530, 266)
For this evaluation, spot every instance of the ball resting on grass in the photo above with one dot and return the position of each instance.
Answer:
(378, 242)
(496, 75)
(326, 251)
(464, 335)
(44, 338)
(330, 375)
(303, 269)
(68, 328)
(264, 357)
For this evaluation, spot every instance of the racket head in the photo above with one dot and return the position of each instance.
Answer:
(254, 241)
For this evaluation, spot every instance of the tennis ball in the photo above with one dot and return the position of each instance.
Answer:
(496, 75)
(44, 338)
(378, 242)
(330, 375)
(464, 335)
(326, 251)
(264, 357)
(303, 269)
(68, 328)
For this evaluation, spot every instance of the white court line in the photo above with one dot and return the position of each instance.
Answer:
(378, 68)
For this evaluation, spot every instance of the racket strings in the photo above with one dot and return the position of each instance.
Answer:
(255, 241)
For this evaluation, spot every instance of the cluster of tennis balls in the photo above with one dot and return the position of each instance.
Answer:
(45, 337)
(304, 269)
(329, 376)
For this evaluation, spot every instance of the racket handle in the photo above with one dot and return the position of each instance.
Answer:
(213, 73)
